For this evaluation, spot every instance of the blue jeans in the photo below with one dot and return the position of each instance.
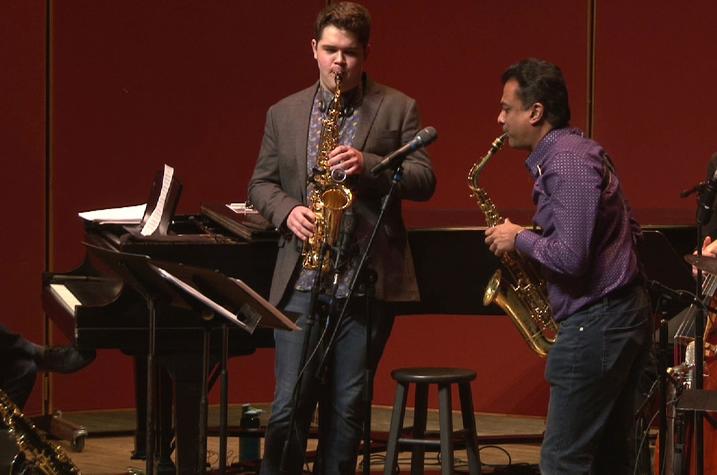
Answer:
(339, 395)
(593, 370)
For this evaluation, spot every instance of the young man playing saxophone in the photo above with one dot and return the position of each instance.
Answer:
(586, 252)
(375, 121)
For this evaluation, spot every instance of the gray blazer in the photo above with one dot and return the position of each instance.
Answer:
(389, 119)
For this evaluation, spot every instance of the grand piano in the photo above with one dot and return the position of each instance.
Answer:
(95, 309)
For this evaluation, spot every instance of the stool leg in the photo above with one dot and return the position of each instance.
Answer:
(469, 427)
(446, 425)
(419, 428)
(399, 411)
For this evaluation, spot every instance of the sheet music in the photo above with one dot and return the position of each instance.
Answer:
(154, 219)
(241, 208)
(122, 215)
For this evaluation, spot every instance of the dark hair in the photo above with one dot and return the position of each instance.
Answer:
(348, 16)
(541, 81)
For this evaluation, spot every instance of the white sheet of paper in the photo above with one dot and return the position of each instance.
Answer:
(154, 219)
(124, 215)
(241, 208)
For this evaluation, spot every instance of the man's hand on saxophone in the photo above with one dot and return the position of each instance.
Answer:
(301, 222)
(501, 238)
(347, 158)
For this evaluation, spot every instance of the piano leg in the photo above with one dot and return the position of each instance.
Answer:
(166, 466)
(186, 371)
(140, 390)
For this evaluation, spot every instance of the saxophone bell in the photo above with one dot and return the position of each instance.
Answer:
(539, 335)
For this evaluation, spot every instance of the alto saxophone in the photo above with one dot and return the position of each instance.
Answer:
(524, 298)
(330, 197)
(38, 455)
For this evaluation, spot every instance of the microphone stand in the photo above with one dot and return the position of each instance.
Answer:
(704, 212)
(662, 355)
(397, 175)
(320, 372)
(308, 336)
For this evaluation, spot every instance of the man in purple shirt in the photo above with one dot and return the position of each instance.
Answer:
(586, 251)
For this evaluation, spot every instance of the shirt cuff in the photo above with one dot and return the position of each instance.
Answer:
(525, 241)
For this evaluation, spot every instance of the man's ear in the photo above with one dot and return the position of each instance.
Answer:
(536, 113)
(313, 47)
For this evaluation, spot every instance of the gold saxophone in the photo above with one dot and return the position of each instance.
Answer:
(330, 198)
(39, 455)
(524, 298)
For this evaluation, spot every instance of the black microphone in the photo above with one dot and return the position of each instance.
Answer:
(348, 224)
(707, 198)
(422, 138)
(695, 189)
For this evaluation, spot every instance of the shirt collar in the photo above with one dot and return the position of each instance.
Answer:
(351, 99)
(535, 160)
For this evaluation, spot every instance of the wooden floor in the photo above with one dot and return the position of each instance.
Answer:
(110, 454)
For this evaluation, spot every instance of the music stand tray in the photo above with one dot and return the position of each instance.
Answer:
(228, 297)
(698, 400)
(662, 263)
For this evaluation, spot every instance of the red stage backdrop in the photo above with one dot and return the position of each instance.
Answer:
(137, 84)
(22, 152)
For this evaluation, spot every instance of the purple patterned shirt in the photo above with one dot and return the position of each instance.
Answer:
(586, 249)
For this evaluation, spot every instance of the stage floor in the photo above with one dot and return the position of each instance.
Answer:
(108, 447)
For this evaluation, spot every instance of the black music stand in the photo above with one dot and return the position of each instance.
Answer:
(220, 300)
(663, 265)
(661, 262)
(230, 299)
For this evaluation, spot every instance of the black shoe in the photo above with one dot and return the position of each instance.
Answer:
(63, 359)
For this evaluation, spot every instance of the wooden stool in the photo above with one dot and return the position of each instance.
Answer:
(420, 441)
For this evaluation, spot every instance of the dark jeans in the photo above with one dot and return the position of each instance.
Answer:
(18, 368)
(340, 396)
(593, 370)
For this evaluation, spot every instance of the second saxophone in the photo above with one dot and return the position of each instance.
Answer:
(523, 296)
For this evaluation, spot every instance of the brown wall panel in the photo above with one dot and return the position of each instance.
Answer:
(22, 154)
(655, 68)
